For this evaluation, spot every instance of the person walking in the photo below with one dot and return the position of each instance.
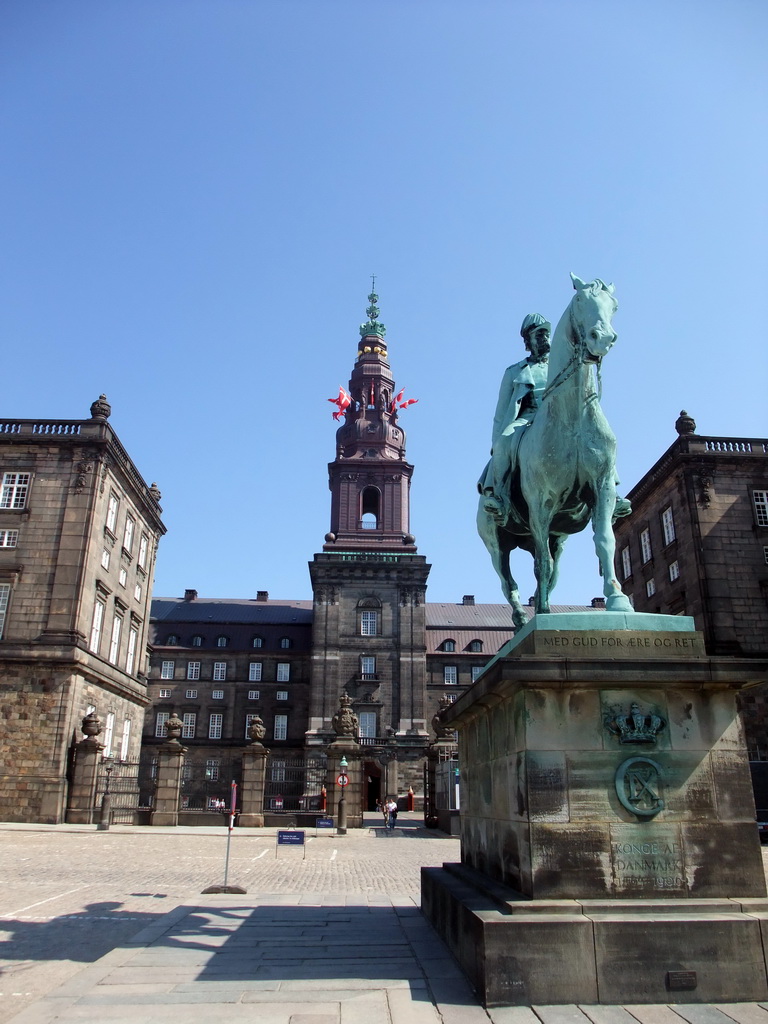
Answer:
(391, 814)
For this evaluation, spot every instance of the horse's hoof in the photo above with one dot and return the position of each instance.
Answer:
(618, 603)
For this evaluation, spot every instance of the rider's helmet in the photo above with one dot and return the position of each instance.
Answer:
(531, 321)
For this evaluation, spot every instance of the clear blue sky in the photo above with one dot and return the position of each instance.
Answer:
(193, 196)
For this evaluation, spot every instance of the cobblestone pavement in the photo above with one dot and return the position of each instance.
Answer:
(327, 935)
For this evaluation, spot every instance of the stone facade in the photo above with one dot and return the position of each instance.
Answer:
(78, 538)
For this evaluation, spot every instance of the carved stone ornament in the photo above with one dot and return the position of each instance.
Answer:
(257, 730)
(91, 725)
(173, 727)
(685, 424)
(639, 786)
(442, 731)
(345, 721)
(636, 727)
(101, 409)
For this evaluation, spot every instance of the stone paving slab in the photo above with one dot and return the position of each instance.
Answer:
(745, 1013)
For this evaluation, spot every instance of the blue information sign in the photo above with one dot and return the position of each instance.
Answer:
(286, 838)
(323, 822)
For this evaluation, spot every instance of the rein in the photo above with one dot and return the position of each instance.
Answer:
(577, 359)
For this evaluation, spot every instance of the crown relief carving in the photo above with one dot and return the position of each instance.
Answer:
(636, 727)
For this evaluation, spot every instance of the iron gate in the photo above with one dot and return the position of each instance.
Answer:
(205, 782)
(295, 784)
(122, 778)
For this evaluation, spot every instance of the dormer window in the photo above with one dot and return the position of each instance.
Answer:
(285, 642)
(197, 641)
(222, 641)
(172, 641)
(258, 641)
(449, 646)
(475, 646)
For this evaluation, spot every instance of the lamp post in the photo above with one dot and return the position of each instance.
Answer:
(341, 826)
(106, 800)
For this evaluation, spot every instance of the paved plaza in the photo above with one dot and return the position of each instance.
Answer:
(111, 926)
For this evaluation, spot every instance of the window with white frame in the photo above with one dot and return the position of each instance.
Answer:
(105, 556)
(285, 642)
(367, 666)
(165, 692)
(254, 694)
(281, 727)
(277, 771)
(125, 741)
(449, 646)
(113, 504)
(219, 671)
(137, 592)
(283, 672)
(476, 670)
(645, 546)
(130, 524)
(97, 624)
(190, 694)
(760, 500)
(254, 672)
(15, 490)
(674, 571)
(212, 767)
(668, 525)
(475, 646)
(369, 623)
(172, 640)
(282, 695)
(10, 538)
(197, 641)
(133, 639)
(193, 670)
(143, 550)
(222, 641)
(626, 563)
(258, 641)
(650, 588)
(248, 720)
(215, 723)
(189, 719)
(109, 734)
(186, 775)
(450, 675)
(367, 724)
(114, 643)
(217, 695)
(122, 577)
(167, 669)
(160, 723)
(5, 593)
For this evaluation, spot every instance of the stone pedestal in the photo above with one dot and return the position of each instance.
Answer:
(350, 750)
(81, 804)
(252, 786)
(605, 785)
(170, 759)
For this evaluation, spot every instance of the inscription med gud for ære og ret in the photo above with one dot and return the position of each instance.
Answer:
(667, 643)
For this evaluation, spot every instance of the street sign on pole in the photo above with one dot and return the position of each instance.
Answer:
(343, 780)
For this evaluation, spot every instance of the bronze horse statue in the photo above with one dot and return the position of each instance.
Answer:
(565, 471)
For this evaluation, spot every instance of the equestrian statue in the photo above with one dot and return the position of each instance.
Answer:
(553, 455)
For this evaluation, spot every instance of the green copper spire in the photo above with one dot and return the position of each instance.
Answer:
(372, 325)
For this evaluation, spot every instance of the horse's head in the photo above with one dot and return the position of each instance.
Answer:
(592, 308)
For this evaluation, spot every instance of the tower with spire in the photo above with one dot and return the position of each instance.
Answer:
(369, 582)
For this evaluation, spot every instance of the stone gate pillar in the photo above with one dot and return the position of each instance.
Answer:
(254, 778)
(170, 759)
(346, 726)
(82, 791)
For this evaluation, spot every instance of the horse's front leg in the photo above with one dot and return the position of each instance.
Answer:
(605, 545)
(540, 518)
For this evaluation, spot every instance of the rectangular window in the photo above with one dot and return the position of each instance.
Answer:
(254, 694)
(212, 770)
(96, 625)
(126, 740)
(9, 539)
(765, 555)
(143, 549)
(476, 670)
(190, 694)
(282, 695)
(137, 592)
(217, 694)
(369, 622)
(114, 643)
(645, 546)
(165, 693)
(650, 588)
(105, 559)
(668, 525)
(193, 670)
(189, 718)
(450, 675)
(674, 571)
(277, 772)
(283, 672)
(367, 666)
(281, 727)
(109, 734)
(112, 506)
(122, 577)
(626, 563)
(15, 489)
(219, 671)
(214, 727)
(367, 721)
(760, 498)
(133, 639)
(248, 720)
(167, 669)
(5, 593)
(130, 523)
(162, 718)
(254, 672)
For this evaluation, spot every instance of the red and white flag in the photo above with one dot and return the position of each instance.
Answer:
(398, 401)
(343, 401)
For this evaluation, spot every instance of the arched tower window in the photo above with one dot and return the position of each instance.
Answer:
(370, 508)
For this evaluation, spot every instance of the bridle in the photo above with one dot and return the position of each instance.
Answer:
(579, 358)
